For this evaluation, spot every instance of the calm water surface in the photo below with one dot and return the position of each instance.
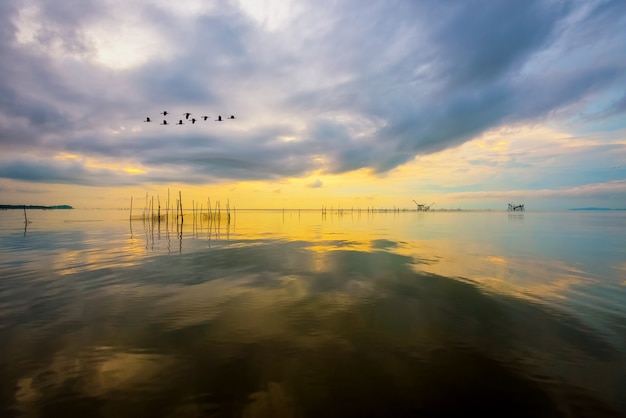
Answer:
(296, 314)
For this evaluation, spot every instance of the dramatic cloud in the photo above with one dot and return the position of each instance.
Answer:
(316, 88)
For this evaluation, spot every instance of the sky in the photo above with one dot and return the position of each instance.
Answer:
(466, 104)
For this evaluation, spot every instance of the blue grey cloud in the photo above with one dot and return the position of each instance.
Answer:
(53, 171)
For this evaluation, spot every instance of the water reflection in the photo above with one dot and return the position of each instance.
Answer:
(317, 319)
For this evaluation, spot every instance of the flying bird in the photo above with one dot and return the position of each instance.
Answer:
(147, 120)
(164, 122)
(231, 117)
(164, 113)
(193, 121)
(187, 115)
(204, 117)
(219, 118)
(180, 122)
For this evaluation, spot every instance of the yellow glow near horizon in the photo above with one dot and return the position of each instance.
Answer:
(425, 178)
(101, 163)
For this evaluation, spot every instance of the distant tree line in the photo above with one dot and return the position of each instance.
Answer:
(2, 207)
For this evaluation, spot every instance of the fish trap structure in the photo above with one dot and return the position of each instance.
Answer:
(513, 207)
(419, 207)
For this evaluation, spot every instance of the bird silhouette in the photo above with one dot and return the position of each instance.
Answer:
(187, 115)
(204, 117)
(164, 113)
(219, 118)
(180, 122)
(147, 120)
(231, 117)
(164, 122)
(193, 121)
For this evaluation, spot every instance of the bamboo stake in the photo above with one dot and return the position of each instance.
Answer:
(180, 199)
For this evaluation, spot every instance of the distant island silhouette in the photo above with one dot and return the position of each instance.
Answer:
(35, 207)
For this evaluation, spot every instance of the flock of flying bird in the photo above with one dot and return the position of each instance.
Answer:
(187, 114)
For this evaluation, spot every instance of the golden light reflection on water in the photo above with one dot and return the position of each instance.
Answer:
(526, 277)
(448, 244)
(94, 252)
(244, 316)
(460, 256)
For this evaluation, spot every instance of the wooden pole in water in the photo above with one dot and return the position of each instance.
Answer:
(25, 218)
(180, 199)
(131, 209)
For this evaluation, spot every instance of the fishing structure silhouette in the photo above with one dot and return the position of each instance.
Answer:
(420, 207)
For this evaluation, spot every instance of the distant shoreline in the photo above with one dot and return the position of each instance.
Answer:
(4, 207)
(598, 209)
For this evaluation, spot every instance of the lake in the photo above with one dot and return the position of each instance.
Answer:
(301, 314)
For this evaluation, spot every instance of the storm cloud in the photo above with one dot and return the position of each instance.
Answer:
(326, 87)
